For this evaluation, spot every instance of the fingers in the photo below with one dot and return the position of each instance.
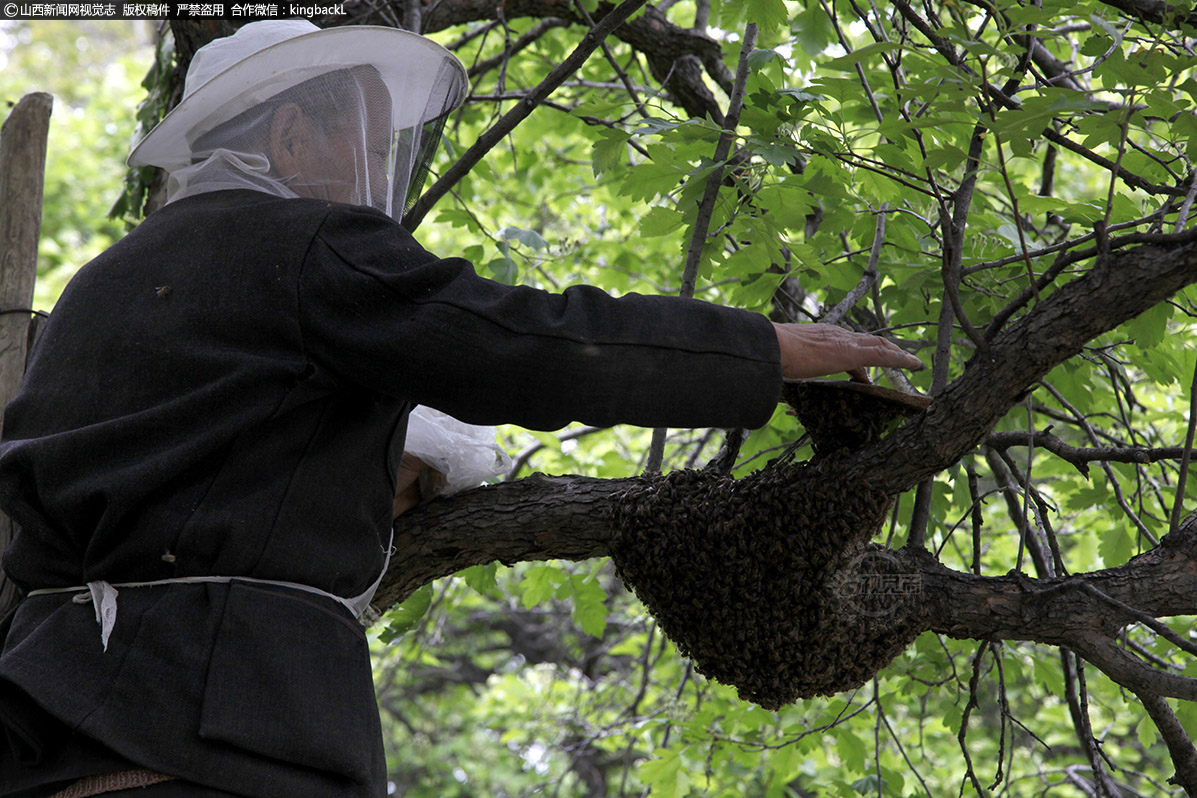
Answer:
(815, 350)
(888, 354)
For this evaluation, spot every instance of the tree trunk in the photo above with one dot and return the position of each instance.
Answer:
(22, 174)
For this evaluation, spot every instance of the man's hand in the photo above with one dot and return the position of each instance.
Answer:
(413, 475)
(815, 350)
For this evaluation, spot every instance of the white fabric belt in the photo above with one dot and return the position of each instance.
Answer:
(102, 595)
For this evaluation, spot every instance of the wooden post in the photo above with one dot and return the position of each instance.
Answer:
(22, 174)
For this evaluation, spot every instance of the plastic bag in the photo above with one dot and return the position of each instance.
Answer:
(465, 453)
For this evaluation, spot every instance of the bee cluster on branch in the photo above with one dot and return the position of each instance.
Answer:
(768, 582)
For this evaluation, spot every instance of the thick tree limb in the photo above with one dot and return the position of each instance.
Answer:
(1053, 331)
(1154, 11)
(535, 518)
(567, 518)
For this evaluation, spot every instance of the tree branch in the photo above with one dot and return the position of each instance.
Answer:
(1179, 745)
(1079, 457)
(1050, 333)
(543, 517)
(590, 42)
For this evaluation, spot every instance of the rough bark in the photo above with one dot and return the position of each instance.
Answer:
(542, 517)
(534, 518)
(1127, 284)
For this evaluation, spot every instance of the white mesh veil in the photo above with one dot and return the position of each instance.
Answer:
(331, 137)
(351, 114)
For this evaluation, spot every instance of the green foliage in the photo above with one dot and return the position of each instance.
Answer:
(549, 678)
(799, 214)
(91, 69)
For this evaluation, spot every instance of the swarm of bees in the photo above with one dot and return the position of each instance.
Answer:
(847, 415)
(768, 582)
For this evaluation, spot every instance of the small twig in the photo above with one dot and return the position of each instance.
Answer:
(1080, 458)
(880, 713)
(1178, 502)
(590, 42)
(920, 516)
(1124, 133)
(1110, 475)
(902, 749)
(1001, 154)
(1180, 747)
(1026, 488)
(715, 178)
(519, 44)
(1008, 477)
(870, 277)
(521, 459)
(1004, 704)
(706, 208)
(623, 76)
(973, 683)
(411, 15)
(1182, 215)
(975, 498)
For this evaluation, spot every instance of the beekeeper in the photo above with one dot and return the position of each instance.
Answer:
(204, 458)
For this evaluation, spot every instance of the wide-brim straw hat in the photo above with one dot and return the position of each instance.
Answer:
(234, 73)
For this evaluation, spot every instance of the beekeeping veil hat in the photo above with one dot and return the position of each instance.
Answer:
(351, 114)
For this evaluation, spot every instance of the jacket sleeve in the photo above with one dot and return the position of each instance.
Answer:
(379, 311)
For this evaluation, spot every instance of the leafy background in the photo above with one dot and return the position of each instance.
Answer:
(549, 678)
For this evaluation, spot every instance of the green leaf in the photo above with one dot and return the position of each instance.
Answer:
(759, 58)
(610, 150)
(1116, 547)
(529, 238)
(403, 617)
(1146, 733)
(945, 157)
(456, 217)
(769, 15)
(1149, 328)
(481, 578)
(646, 181)
(850, 748)
(590, 608)
(661, 221)
(1186, 713)
(539, 585)
(1049, 672)
(503, 269)
(666, 776)
(848, 62)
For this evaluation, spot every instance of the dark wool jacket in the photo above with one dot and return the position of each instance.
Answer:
(225, 392)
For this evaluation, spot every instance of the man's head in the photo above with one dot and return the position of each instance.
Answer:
(335, 141)
(348, 114)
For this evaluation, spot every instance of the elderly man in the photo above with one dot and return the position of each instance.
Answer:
(204, 459)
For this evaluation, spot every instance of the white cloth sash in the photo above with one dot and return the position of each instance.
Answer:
(102, 595)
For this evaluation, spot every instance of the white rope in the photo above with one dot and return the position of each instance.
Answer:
(102, 595)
